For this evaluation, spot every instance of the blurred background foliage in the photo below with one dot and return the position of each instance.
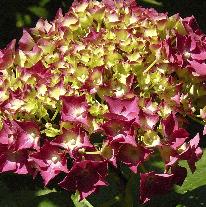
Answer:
(18, 14)
(20, 191)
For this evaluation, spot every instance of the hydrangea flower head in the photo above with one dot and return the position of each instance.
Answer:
(111, 71)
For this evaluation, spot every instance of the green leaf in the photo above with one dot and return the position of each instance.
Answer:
(84, 203)
(38, 11)
(130, 191)
(42, 3)
(154, 2)
(23, 191)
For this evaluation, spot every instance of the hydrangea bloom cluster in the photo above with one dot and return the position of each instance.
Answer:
(109, 71)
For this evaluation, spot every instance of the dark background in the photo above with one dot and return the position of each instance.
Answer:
(17, 14)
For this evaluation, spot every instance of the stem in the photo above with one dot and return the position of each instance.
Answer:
(197, 120)
(119, 174)
(93, 153)
(98, 27)
(142, 168)
(55, 114)
(150, 66)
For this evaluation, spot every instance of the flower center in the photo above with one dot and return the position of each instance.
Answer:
(187, 54)
(78, 111)
(32, 135)
(55, 158)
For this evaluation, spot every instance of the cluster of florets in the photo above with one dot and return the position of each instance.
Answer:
(108, 83)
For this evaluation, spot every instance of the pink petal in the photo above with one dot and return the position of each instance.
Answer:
(200, 68)
(200, 56)
(26, 42)
(7, 55)
(28, 134)
(127, 108)
(75, 109)
(204, 130)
